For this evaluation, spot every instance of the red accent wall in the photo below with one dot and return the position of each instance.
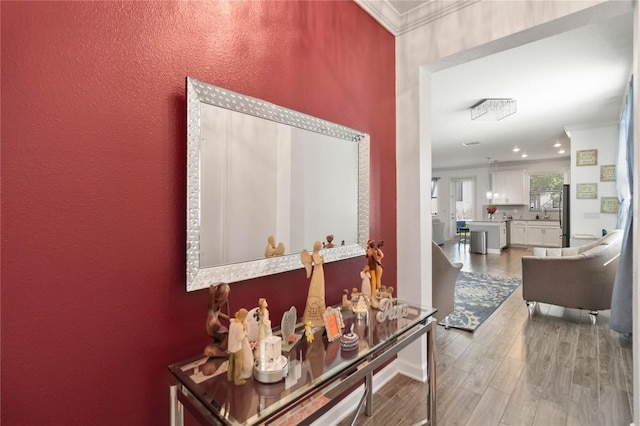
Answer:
(94, 305)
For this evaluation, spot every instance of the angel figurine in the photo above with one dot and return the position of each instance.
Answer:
(314, 310)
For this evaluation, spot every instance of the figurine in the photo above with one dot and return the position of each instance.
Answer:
(365, 274)
(375, 299)
(271, 249)
(264, 324)
(354, 293)
(389, 292)
(314, 309)
(218, 299)
(346, 303)
(378, 256)
(264, 321)
(329, 242)
(237, 333)
(371, 262)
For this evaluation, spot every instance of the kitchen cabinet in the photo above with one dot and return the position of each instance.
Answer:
(503, 234)
(518, 232)
(543, 234)
(509, 185)
(536, 233)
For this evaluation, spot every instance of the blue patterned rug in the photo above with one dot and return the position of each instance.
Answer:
(477, 296)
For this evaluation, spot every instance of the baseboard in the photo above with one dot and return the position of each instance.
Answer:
(344, 408)
(412, 371)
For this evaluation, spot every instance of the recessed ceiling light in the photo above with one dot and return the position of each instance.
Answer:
(557, 145)
(516, 149)
(561, 151)
(524, 155)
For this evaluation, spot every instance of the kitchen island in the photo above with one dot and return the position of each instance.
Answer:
(496, 233)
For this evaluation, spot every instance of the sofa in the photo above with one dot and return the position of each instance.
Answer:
(443, 282)
(573, 277)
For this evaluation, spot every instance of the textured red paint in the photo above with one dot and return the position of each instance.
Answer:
(93, 182)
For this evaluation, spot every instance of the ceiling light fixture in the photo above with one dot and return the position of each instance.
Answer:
(524, 155)
(493, 109)
(516, 149)
(557, 145)
(561, 151)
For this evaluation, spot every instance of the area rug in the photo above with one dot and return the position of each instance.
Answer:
(477, 296)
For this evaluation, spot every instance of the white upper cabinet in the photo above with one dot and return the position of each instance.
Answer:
(509, 185)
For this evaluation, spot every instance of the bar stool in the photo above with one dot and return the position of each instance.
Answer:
(463, 233)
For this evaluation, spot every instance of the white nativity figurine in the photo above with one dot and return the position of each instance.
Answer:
(365, 275)
(264, 324)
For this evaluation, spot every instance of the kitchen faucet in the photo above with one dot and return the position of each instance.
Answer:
(544, 213)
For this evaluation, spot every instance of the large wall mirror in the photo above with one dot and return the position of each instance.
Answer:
(257, 170)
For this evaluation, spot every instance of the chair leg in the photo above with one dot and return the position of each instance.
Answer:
(446, 322)
(531, 306)
(594, 316)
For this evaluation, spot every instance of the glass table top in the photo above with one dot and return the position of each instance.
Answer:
(311, 366)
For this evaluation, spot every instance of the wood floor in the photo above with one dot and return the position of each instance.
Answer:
(553, 369)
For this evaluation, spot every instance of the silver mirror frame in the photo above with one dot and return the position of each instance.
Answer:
(199, 92)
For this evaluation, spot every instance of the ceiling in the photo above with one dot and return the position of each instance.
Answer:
(572, 80)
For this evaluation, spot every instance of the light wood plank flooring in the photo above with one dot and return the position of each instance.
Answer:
(553, 369)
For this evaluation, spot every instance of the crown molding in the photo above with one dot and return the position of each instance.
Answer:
(398, 23)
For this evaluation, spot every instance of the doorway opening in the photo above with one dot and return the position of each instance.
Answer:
(462, 204)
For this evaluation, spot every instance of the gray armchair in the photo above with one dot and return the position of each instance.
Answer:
(443, 282)
(573, 277)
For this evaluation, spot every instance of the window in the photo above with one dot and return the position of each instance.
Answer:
(545, 191)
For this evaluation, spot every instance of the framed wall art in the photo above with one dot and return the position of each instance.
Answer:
(608, 173)
(587, 157)
(609, 205)
(586, 191)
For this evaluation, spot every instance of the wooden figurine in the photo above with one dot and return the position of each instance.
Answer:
(378, 256)
(371, 263)
(329, 243)
(314, 309)
(346, 303)
(218, 302)
(237, 333)
(272, 250)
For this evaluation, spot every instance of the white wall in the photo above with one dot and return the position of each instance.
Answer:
(586, 217)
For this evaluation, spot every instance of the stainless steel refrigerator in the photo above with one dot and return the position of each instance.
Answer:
(565, 216)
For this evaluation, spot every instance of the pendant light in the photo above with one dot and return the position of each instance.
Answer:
(490, 194)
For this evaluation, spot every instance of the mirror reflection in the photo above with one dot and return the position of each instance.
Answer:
(261, 178)
(264, 182)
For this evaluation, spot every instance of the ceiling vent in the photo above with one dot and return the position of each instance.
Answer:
(468, 144)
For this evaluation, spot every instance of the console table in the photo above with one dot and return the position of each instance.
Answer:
(318, 372)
